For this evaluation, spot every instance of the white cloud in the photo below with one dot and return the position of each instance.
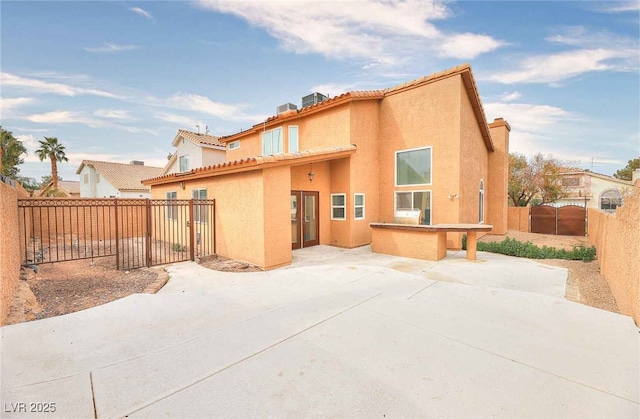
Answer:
(41, 86)
(7, 104)
(109, 47)
(594, 52)
(620, 7)
(468, 45)
(333, 89)
(377, 32)
(57, 117)
(204, 105)
(140, 11)
(112, 114)
(181, 121)
(510, 96)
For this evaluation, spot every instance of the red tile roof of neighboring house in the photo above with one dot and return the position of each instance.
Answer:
(463, 70)
(70, 187)
(254, 163)
(200, 139)
(124, 177)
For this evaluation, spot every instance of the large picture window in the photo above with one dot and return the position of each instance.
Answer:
(199, 211)
(339, 206)
(272, 142)
(172, 209)
(415, 200)
(413, 167)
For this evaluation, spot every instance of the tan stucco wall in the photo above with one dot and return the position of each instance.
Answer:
(9, 248)
(518, 218)
(252, 214)
(411, 244)
(617, 240)
(498, 188)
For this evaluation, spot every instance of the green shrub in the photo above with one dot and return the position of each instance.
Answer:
(177, 247)
(513, 247)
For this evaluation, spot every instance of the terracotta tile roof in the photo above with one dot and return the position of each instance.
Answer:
(259, 162)
(71, 187)
(201, 139)
(124, 177)
(574, 172)
(463, 70)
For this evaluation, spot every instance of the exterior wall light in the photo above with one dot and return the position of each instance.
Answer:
(311, 175)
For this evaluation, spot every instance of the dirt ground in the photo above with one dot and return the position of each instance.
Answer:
(66, 287)
(585, 285)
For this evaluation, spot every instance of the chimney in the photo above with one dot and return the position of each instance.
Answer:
(498, 183)
(137, 163)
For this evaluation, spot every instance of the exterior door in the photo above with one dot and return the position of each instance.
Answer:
(304, 219)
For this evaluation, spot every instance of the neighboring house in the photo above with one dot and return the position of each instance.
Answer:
(194, 150)
(66, 189)
(101, 179)
(321, 174)
(593, 189)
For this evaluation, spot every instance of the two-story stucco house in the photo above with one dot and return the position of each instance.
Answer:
(593, 189)
(101, 179)
(194, 150)
(321, 174)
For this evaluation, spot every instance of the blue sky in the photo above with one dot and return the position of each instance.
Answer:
(114, 80)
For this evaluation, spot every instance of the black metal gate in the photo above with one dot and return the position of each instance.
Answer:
(569, 220)
(136, 232)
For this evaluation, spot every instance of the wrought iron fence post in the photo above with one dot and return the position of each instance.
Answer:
(115, 207)
(190, 225)
(214, 227)
(147, 242)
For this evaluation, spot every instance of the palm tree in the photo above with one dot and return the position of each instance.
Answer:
(51, 149)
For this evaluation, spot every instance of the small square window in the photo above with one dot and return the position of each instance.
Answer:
(234, 144)
(338, 206)
(184, 163)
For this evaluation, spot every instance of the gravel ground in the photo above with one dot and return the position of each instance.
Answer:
(220, 263)
(585, 285)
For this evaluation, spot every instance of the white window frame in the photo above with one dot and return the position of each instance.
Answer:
(270, 132)
(172, 210)
(184, 157)
(395, 202)
(481, 205)
(234, 145)
(344, 207)
(395, 167)
(199, 210)
(356, 206)
(297, 131)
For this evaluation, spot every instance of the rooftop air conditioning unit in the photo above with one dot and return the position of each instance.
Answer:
(312, 99)
(137, 163)
(286, 107)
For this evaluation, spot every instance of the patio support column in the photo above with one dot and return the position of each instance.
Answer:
(472, 243)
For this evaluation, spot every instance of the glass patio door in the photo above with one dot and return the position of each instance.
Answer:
(304, 219)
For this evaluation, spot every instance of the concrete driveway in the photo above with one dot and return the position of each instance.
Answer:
(338, 333)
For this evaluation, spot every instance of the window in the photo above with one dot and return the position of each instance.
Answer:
(97, 177)
(85, 178)
(184, 163)
(339, 206)
(570, 181)
(199, 211)
(610, 200)
(413, 167)
(358, 206)
(415, 200)
(293, 139)
(234, 144)
(272, 142)
(172, 209)
(481, 203)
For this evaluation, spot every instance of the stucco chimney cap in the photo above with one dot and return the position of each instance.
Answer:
(500, 122)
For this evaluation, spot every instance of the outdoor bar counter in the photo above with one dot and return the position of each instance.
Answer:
(422, 241)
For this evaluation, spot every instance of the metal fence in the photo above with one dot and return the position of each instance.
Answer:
(137, 232)
(568, 220)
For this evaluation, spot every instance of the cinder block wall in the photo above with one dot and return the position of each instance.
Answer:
(9, 248)
(617, 240)
(518, 218)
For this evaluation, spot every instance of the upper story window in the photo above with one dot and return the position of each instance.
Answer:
(85, 178)
(97, 177)
(272, 142)
(610, 200)
(293, 139)
(234, 144)
(184, 163)
(413, 167)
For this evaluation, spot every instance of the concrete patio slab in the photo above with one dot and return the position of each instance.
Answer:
(347, 334)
